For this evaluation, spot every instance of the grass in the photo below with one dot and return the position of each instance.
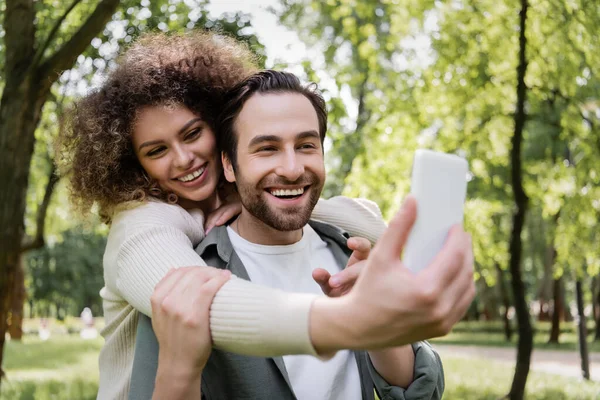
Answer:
(477, 379)
(66, 367)
(482, 333)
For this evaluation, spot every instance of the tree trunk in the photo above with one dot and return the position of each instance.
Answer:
(545, 288)
(582, 329)
(525, 344)
(28, 78)
(557, 311)
(506, 303)
(597, 314)
(15, 329)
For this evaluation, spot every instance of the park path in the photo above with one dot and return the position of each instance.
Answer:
(566, 363)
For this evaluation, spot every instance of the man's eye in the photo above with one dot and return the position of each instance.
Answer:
(156, 151)
(193, 134)
(308, 146)
(266, 149)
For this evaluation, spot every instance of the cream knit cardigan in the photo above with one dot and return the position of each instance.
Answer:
(146, 241)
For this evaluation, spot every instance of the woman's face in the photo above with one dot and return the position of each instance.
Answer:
(177, 149)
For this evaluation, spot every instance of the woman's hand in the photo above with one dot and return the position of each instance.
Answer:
(180, 318)
(341, 283)
(231, 207)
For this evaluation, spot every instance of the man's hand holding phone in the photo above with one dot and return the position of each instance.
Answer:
(392, 305)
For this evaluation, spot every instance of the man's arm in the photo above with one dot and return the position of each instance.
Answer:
(180, 307)
(391, 306)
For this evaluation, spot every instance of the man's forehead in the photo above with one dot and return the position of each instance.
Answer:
(276, 114)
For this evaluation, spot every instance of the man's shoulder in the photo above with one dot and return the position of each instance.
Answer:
(216, 244)
(325, 229)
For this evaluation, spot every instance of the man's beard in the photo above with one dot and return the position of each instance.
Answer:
(285, 220)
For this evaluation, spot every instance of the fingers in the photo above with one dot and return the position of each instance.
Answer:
(221, 215)
(322, 276)
(361, 248)
(229, 211)
(449, 262)
(391, 242)
(214, 219)
(177, 280)
(213, 285)
(344, 280)
(163, 288)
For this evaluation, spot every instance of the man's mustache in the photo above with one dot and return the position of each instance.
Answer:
(304, 180)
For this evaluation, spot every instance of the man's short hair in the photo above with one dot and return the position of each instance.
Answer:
(268, 81)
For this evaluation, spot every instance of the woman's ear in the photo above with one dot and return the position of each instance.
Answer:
(227, 168)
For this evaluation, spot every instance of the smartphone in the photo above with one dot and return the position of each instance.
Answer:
(439, 184)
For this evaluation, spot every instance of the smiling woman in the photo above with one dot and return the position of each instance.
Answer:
(142, 148)
(177, 149)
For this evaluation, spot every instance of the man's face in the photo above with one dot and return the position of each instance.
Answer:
(280, 170)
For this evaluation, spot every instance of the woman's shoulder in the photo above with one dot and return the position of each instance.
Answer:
(151, 214)
(346, 204)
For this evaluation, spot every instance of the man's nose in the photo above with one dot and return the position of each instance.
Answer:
(291, 167)
(183, 157)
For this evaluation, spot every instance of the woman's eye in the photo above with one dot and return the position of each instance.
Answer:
(156, 151)
(193, 134)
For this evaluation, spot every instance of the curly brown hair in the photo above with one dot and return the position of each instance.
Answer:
(194, 69)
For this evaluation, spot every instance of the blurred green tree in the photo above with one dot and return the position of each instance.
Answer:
(40, 41)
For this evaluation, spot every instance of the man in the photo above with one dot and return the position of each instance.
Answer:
(271, 135)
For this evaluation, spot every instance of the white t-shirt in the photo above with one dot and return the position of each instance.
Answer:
(290, 268)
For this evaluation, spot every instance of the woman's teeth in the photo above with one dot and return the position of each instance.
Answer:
(192, 176)
(281, 193)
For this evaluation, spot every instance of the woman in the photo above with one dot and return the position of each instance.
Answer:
(142, 148)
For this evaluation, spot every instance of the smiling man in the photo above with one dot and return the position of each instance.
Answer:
(277, 164)
(271, 134)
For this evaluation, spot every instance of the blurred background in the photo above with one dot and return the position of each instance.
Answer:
(513, 86)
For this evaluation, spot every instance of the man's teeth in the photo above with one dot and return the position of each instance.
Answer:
(193, 175)
(293, 192)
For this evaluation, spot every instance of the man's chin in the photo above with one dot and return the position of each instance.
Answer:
(291, 220)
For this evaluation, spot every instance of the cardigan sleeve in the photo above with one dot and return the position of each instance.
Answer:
(145, 242)
(358, 217)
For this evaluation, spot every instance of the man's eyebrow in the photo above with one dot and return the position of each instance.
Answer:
(274, 138)
(308, 134)
(263, 138)
(181, 130)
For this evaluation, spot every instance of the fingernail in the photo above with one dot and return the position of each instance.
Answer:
(335, 282)
(226, 272)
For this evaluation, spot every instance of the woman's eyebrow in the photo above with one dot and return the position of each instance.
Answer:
(149, 143)
(181, 130)
(188, 124)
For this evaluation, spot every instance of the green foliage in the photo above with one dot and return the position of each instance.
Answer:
(67, 274)
(62, 225)
(442, 75)
(491, 334)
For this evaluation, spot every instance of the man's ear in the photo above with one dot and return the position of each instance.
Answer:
(227, 168)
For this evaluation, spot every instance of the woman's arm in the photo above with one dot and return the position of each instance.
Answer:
(358, 217)
(150, 240)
